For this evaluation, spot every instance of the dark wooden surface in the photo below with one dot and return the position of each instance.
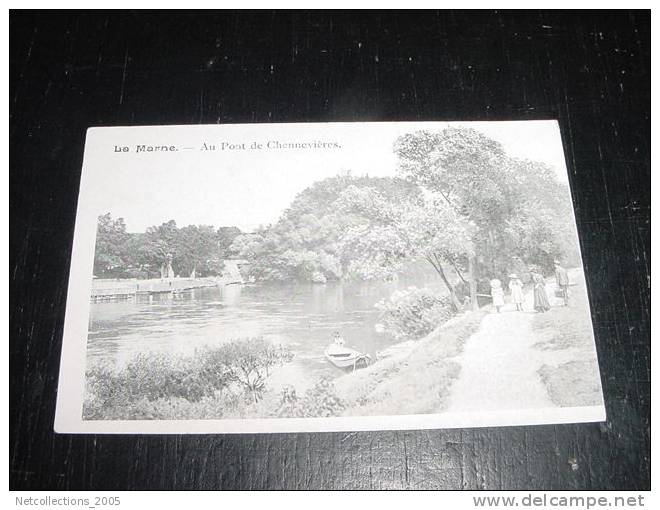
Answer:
(590, 70)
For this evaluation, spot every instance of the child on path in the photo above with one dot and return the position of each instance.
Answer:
(497, 293)
(516, 286)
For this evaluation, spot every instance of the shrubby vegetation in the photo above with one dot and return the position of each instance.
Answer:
(320, 401)
(212, 382)
(413, 313)
(248, 363)
(227, 381)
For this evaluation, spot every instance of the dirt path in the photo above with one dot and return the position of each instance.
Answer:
(499, 364)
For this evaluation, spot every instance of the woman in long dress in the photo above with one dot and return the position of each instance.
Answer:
(516, 288)
(541, 302)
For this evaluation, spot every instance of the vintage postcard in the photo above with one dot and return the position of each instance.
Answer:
(326, 277)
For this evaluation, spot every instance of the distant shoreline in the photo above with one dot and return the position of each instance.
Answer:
(127, 288)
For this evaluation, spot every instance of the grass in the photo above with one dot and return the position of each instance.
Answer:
(575, 382)
(414, 382)
(565, 327)
(572, 384)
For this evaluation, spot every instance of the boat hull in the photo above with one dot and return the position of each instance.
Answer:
(347, 358)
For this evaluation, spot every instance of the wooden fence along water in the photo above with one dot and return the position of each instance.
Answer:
(128, 288)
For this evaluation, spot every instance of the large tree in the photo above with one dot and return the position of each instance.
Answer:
(196, 247)
(110, 256)
(160, 244)
(225, 237)
(516, 208)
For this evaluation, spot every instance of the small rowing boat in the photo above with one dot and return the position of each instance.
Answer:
(345, 357)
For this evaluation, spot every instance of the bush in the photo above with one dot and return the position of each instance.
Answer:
(318, 402)
(162, 385)
(413, 313)
(247, 362)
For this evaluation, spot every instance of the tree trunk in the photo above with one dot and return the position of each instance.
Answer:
(472, 270)
(458, 272)
(455, 303)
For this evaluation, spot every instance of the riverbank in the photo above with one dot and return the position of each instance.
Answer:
(475, 361)
(414, 377)
(480, 361)
(408, 378)
(411, 377)
(116, 289)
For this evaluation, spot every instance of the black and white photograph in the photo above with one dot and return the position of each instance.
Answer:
(329, 276)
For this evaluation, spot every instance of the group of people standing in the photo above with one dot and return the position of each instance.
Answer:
(541, 301)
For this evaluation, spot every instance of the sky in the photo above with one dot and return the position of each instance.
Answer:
(247, 187)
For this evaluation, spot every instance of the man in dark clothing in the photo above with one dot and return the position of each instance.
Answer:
(562, 281)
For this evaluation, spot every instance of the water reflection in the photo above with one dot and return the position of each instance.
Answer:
(301, 316)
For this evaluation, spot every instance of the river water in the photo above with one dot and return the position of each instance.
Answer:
(299, 316)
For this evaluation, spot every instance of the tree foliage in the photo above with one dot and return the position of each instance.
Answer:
(194, 248)
(460, 202)
(413, 313)
(388, 233)
(463, 165)
(111, 242)
(517, 207)
(308, 241)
